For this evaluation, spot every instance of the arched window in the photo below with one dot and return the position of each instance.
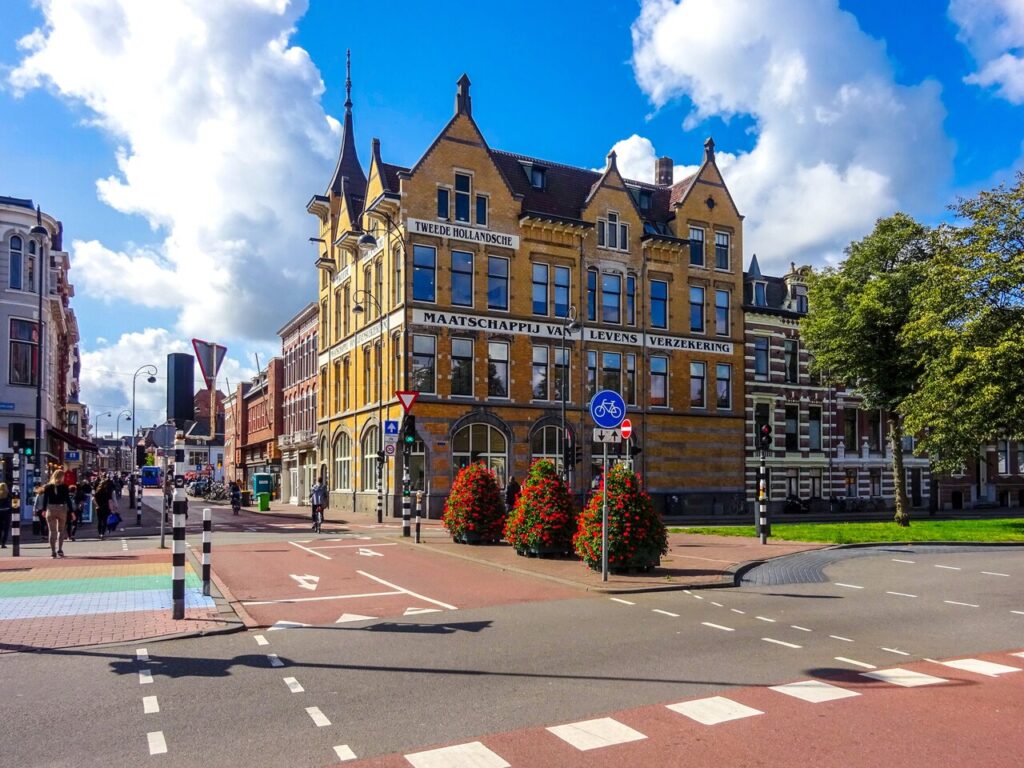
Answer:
(371, 444)
(343, 462)
(481, 442)
(547, 444)
(15, 271)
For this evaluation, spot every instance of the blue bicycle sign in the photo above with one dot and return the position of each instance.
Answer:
(607, 409)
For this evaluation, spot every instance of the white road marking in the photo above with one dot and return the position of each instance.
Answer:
(358, 546)
(814, 691)
(666, 613)
(620, 600)
(344, 752)
(157, 743)
(713, 710)
(345, 618)
(365, 552)
(319, 718)
(1019, 655)
(124, 544)
(150, 705)
(903, 677)
(260, 640)
(317, 599)
(897, 560)
(980, 667)
(765, 618)
(839, 637)
(406, 591)
(417, 611)
(717, 626)
(293, 685)
(142, 655)
(145, 677)
(895, 650)
(307, 549)
(1019, 613)
(781, 642)
(717, 604)
(966, 605)
(274, 660)
(471, 755)
(993, 573)
(802, 629)
(848, 586)
(900, 594)
(737, 610)
(594, 734)
(855, 663)
(687, 592)
(279, 625)
(306, 581)
(949, 567)
(698, 597)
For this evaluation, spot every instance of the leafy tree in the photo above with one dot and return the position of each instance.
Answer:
(854, 327)
(969, 329)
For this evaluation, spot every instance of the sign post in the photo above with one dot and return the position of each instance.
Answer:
(607, 409)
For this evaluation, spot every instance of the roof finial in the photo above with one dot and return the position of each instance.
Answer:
(463, 102)
(348, 79)
(709, 150)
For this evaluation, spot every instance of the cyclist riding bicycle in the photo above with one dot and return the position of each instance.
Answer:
(317, 499)
(236, 497)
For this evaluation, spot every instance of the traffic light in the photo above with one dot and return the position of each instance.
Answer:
(140, 455)
(28, 446)
(577, 454)
(380, 456)
(766, 437)
(409, 430)
(16, 435)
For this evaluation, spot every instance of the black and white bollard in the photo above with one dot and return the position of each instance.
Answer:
(406, 502)
(16, 532)
(138, 505)
(178, 553)
(207, 544)
(419, 513)
(762, 501)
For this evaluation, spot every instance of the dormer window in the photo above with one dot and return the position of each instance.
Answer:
(760, 294)
(611, 233)
(801, 299)
(537, 175)
(645, 200)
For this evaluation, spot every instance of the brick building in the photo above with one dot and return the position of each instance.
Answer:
(995, 478)
(478, 259)
(297, 438)
(253, 422)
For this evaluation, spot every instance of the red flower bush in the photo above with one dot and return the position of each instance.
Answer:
(636, 533)
(474, 510)
(542, 517)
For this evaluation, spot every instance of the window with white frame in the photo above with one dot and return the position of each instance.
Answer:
(562, 386)
(481, 210)
(546, 443)
(722, 312)
(462, 367)
(631, 299)
(659, 381)
(722, 250)
(611, 298)
(371, 444)
(497, 282)
(696, 247)
(423, 363)
(562, 281)
(540, 373)
(611, 371)
(629, 385)
(497, 369)
(24, 352)
(16, 262)
(483, 443)
(698, 375)
(343, 462)
(424, 262)
(462, 192)
(696, 309)
(723, 386)
(612, 233)
(1003, 457)
(462, 278)
(591, 373)
(539, 288)
(592, 295)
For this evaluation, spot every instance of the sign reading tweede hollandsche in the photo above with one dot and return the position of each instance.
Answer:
(461, 232)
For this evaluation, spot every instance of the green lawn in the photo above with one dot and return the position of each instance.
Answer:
(1009, 529)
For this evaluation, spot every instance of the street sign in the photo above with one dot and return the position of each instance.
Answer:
(210, 356)
(390, 432)
(607, 435)
(389, 449)
(607, 409)
(407, 398)
(72, 456)
(6, 406)
(627, 428)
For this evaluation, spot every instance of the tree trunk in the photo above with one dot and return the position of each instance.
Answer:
(899, 475)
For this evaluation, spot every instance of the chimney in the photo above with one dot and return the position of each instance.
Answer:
(663, 171)
(463, 103)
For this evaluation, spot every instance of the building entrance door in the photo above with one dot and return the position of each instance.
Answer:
(294, 484)
(915, 487)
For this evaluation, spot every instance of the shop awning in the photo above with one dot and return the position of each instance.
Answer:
(71, 440)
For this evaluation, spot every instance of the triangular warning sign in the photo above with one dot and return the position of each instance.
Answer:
(347, 617)
(407, 399)
(415, 611)
(210, 356)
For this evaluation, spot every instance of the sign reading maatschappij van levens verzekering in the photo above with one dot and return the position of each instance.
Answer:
(461, 232)
(554, 330)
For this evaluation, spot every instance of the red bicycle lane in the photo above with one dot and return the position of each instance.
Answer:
(331, 580)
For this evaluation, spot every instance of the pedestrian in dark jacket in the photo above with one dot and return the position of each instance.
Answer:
(101, 506)
(58, 505)
(5, 514)
(511, 493)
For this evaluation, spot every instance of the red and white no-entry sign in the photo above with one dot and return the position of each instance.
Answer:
(627, 428)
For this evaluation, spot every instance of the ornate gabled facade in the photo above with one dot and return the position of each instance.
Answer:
(480, 258)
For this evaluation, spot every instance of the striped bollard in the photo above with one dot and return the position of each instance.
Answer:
(16, 533)
(380, 490)
(138, 505)
(207, 543)
(419, 512)
(178, 554)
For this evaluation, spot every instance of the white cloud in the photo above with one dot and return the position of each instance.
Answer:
(221, 140)
(993, 31)
(839, 142)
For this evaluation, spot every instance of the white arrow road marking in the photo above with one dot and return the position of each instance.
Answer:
(307, 581)
(347, 617)
(415, 611)
(369, 552)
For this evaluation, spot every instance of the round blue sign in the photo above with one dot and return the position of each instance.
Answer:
(607, 409)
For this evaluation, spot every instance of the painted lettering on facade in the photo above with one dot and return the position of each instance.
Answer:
(460, 232)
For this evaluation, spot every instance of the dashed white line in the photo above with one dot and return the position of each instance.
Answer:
(737, 610)
(765, 618)
(124, 545)
(848, 586)
(901, 594)
(717, 604)
(855, 663)
(142, 655)
(150, 706)
(274, 661)
(896, 651)
(802, 629)
(293, 685)
(781, 642)
(698, 597)
(260, 640)
(717, 626)
(966, 605)
(666, 613)
(157, 743)
(318, 717)
(344, 752)
(840, 637)
(145, 677)
(949, 567)
(897, 560)
(1019, 613)
(994, 573)
(620, 600)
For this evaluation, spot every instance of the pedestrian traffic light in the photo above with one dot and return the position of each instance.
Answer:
(16, 434)
(409, 430)
(577, 454)
(28, 446)
(766, 437)
(380, 456)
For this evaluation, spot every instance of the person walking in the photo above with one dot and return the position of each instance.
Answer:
(5, 514)
(317, 498)
(76, 513)
(39, 512)
(57, 504)
(511, 493)
(101, 506)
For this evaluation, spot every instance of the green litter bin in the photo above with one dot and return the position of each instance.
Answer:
(264, 501)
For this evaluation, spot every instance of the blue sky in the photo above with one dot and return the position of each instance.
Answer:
(211, 129)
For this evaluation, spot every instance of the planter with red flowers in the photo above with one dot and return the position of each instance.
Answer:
(636, 534)
(474, 512)
(541, 522)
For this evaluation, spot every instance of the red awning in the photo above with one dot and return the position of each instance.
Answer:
(72, 440)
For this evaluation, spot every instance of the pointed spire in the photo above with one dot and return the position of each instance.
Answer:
(348, 166)
(611, 165)
(348, 80)
(463, 102)
(755, 269)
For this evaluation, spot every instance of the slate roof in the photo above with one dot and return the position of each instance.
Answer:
(17, 202)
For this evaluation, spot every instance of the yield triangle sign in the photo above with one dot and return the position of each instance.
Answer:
(210, 356)
(407, 399)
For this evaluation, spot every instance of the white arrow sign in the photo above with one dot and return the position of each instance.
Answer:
(369, 553)
(347, 617)
(607, 435)
(307, 581)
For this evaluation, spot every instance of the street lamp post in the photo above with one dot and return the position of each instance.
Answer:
(569, 325)
(358, 309)
(97, 428)
(117, 433)
(44, 235)
(151, 370)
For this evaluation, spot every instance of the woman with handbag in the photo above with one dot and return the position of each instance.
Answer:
(101, 506)
(57, 506)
